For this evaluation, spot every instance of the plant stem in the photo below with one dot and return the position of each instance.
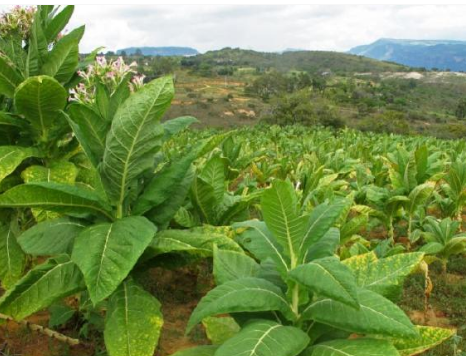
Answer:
(119, 213)
(295, 300)
(44, 331)
(410, 222)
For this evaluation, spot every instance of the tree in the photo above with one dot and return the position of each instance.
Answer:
(461, 109)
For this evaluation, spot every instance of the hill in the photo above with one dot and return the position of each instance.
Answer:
(430, 54)
(310, 61)
(160, 51)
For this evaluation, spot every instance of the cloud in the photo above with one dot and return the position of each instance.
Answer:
(265, 28)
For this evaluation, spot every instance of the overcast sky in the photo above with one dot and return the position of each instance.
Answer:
(265, 28)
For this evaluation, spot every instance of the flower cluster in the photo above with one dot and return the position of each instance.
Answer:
(109, 73)
(17, 22)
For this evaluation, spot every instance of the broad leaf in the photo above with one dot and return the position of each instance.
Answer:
(10, 78)
(279, 208)
(58, 172)
(162, 214)
(62, 198)
(386, 276)
(12, 258)
(164, 185)
(376, 315)
(12, 156)
(135, 136)
(174, 126)
(330, 278)
(58, 23)
(53, 280)
(254, 236)
(37, 47)
(62, 61)
(322, 218)
(168, 241)
(40, 100)
(325, 247)
(242, 295)
(90, 129)
(220, 329)
(419, 195)
(213, 173)
(355, 347)
(203, 197)
(133, 322)
(264, 338)
(107, 252)
(60, 314)
(231, 265)
(430, 337)
(50, 238)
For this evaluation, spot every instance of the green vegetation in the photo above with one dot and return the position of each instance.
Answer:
(306, 234)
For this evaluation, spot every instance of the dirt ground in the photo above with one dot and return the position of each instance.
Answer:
(179, 291)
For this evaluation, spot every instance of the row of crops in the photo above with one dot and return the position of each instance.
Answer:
(311, 232)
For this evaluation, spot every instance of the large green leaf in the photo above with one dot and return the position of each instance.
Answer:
(264, 338)
(58, 172)
(325, 247)
(90, 129)
(10, 78)
(242, 295)
(322, 218)
(355, 347)
(162, 214)
(213, 173)
(12, 156)
(53, 280)
(330, 278)
(203, 197)
(12, 258)
(119, 95)
(135, 136)
(254, 236)
(174, 126)
(376, 315)
(385, 276)
(40, 100)
(58, 23)
(168, 241)
(231, 265)
(50, 238)
(37, 47)
(430, 337)
(62, 62)
(164, 185)
(62, 198)
(279, 208)
(107, 252)
(419, 195)
(220, 329)
(133, 322)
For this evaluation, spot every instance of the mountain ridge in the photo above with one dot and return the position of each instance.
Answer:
(429, 54)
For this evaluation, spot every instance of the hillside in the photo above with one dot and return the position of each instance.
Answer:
(309, 61)
(160, 51)
(444, 55)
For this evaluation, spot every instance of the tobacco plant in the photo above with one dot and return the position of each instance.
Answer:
(99, 228)
(295, 297)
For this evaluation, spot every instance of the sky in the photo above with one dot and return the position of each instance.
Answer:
(263, 28)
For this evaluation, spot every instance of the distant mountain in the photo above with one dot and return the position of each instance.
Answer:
(160, 51)
(310, 61)
(444, 55)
